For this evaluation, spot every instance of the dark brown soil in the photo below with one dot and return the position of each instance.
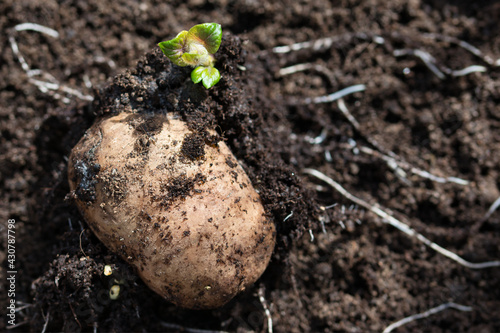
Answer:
(358, 274)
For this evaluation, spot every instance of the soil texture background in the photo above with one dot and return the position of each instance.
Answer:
(430, 101)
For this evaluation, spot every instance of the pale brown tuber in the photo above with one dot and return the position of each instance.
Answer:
(174, 204)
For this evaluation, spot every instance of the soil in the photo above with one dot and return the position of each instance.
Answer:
(335, 268)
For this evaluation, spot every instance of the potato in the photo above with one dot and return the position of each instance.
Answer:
(178, 208)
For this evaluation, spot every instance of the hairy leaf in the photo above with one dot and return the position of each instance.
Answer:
(207, 34)
(174, 48)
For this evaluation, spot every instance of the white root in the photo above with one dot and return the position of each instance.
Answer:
(330, 97)
(398, 167)
(326, 43)
(463, 44)
(345, 111)
(426, 314)
(390, 158)
(50, 86)
(303, 67)
(430, 62)
(262, 300)
(393, 160)
(389, 219)
(468, 70)
(46, 324)
(491, 210)
(311, 235)
(288, 216)
(336, 95)
(426, 57)
(37, 27)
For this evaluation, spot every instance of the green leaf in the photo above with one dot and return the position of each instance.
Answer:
(197, 74)
(207, 34)
(211, 77)
(174, 48)
(208, 75)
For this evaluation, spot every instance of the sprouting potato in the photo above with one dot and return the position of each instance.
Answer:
(173, 203)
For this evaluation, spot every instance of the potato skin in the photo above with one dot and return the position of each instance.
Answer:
(181, 211)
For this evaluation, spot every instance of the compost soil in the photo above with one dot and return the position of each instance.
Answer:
(336, 266)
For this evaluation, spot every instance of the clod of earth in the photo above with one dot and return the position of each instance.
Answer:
(175, 204)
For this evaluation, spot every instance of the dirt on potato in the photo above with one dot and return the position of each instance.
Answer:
(426, 104)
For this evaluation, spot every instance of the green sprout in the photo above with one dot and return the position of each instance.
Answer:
(196, 48)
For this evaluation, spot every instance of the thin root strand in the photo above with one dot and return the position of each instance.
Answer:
(426, 314)
(386, 218)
